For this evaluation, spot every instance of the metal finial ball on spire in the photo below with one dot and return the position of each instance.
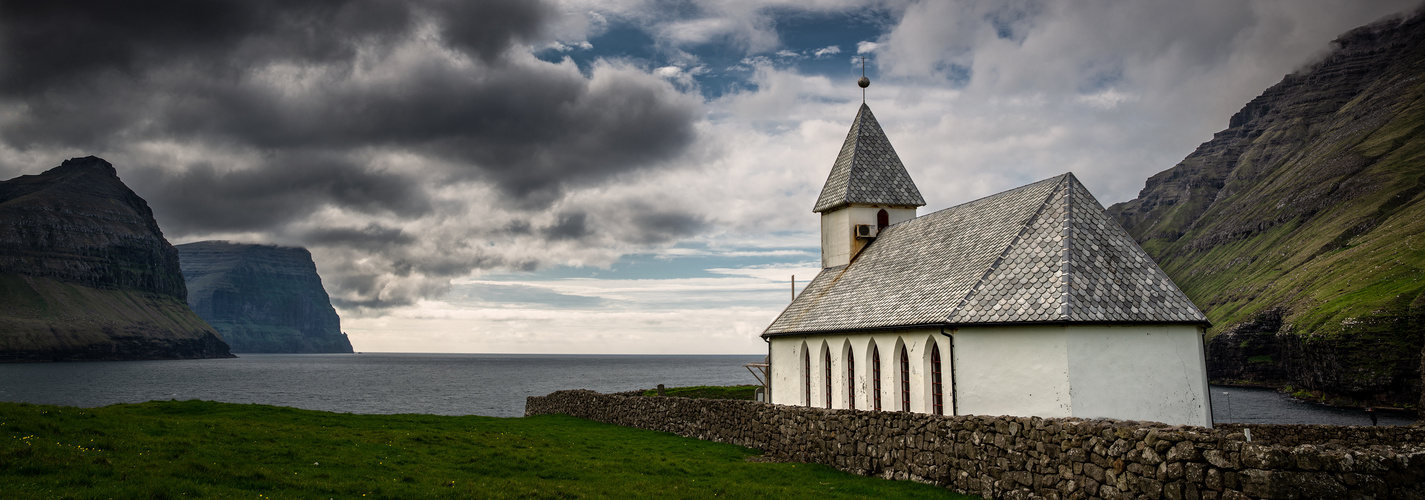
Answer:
(864, 82)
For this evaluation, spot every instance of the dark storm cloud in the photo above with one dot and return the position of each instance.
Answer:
(51, 42)
(518, 227)
(639, 224)
(664, 226)
(281, 75)
(569, 226)
(533, 138)
(365, 290)
(485, 28)
(54, 43)
(291, 186)
(529, 129)
(373, 236)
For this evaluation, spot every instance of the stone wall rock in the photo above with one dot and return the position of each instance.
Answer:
(1033, 457)
(1332, 435)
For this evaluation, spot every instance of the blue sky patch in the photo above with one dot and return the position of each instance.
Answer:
(811, 43)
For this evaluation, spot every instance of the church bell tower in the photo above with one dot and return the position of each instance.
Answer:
(868, 190)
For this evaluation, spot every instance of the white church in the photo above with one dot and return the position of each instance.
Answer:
(1030, 302)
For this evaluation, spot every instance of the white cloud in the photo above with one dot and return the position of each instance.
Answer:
(1107, 99)
(563, 47)
(694, 330)
(682, 315)
(776, 272)
(827, 51)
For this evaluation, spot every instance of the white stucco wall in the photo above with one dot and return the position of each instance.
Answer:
(1133, 372)
(1143, 372)
(1127, 372)
(786, 376)
(1012, 371)
(788, 386)
(835, 249)
(838, 241)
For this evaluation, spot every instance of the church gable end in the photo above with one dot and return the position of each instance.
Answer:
(1113, 279)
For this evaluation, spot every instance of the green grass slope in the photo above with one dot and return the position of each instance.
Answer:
(743, 392)
(44, 319)
(194, 449)
(1360, 258)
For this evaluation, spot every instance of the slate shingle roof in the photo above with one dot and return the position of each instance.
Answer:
(1041, 253)
(867, 170)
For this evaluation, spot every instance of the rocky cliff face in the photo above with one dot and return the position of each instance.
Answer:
(1300, 229)
(262, 298)
(85, 273)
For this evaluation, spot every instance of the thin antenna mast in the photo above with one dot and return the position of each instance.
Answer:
(863, 82)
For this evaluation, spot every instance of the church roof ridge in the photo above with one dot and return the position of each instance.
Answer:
(1041, 253)
(1045, 204)
(867, 170)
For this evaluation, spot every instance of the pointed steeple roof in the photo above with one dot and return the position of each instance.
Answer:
(867, 170)
(1041, 253)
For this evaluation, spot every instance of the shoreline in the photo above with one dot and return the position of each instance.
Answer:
(1318, 398)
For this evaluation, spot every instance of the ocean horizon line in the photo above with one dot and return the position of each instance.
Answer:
(498, 353)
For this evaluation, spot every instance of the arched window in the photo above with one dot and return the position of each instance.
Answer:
(806, 365)
(850, 379)
(883, 219)
(876, 377)
(905, 380)
(936, 392)
(828, 378)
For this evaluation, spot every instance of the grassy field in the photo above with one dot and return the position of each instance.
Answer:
(188, 449)
(747, 392)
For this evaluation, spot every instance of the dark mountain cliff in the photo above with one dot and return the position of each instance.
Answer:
(262, 298)
(1300, 229)
(86, 274)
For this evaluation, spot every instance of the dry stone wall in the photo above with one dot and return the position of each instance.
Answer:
(1032, 457)
(1333, 435)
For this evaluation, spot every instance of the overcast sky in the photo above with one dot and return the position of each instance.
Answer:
(609, 176)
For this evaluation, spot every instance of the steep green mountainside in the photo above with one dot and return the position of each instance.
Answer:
(86, 274)
(262, 298)
(1300, 229)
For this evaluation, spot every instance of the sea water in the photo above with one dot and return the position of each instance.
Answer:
(1247, 405)
(471, 384)
(493, 385)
